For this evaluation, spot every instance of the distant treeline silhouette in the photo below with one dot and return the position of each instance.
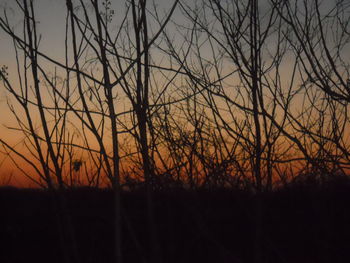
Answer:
(234, 95)
(303, 222)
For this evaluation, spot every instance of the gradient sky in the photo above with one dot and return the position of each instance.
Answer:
(50, 15)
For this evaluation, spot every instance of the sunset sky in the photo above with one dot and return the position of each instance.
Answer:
(208, 62)
(50, 17)
(174, 131)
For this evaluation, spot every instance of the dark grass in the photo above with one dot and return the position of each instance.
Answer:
(302, 222)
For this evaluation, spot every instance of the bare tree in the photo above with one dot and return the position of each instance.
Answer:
(233, 57)
(319, 37)
(225, 94)
(95, 103)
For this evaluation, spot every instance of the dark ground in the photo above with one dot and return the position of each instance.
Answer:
(301, 223)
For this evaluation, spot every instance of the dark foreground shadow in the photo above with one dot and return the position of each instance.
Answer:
(301, 223)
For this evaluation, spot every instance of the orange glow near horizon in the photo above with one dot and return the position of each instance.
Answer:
(237, 117)
(10, 171)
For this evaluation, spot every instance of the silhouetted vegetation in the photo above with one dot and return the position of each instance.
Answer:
(219, 127)
(303, 222)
